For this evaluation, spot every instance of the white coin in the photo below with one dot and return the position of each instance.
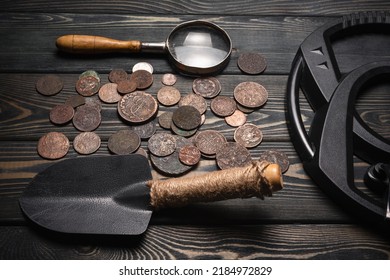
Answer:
(143, 66)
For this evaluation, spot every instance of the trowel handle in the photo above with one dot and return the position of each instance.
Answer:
(95, 44)
(256, 180)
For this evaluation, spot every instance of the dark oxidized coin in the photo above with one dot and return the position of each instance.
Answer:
(233, 155)
(117, 75)
(194, 100)
(108, 93)
(189, 155)
(124, 142)
(126, 86)
(168, 79)
(75, 101)
(49, 84)
(53, 145)
(252, 63)
(223, 106)
(61, 114)
(137, 107)
(162, 144)
(209, 141)
(86, 118)
(186, 117)
(250, 94)
(143, 78)
(86, 143)
(87, 86)
(275, 156)
(182, 132)
(248, 135)
(165, 120)
(168, 95)
(145, 131)
(92, 73)
(94, 102)
(208, 87)
(170, 165)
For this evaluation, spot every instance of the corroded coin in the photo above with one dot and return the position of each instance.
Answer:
(75, 101)
(124, 142)
(108, 93)
(169, 165)
(169, 79)
(248, 135)
(162, 144)
(117, 75)
(49, 85)
(87, 86)
(275, 156)
(250, 94)
(143, 78)
(145, 131)
(244, 109)
(165, 120)
(209, 141)
(233, 154)
(238, 118)
(126, 86)
(208, 87)
(168, 95)
(223, 106)
(252, 63)
(182, 132)
(189, 155)
(86, 143)
(92, 73)
(53, 145)
(61, 114)
(94, 102)
(194, 100)
(186, 117)
(137, 107)
(143, 66)
(86, 118)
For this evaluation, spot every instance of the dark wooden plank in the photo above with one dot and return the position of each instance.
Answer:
(226, 7)
(201, 242)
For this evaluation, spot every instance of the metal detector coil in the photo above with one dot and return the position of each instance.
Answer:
(337, 132)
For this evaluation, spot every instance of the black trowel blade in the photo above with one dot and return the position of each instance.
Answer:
(91, 195)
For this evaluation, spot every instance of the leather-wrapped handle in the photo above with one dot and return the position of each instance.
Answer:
(95, 44)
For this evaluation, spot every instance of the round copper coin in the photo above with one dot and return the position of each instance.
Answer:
(168, 95)
(233, 154)
(49, 85)
(61, 114)
(238, 118)
(169, 79)
(186, 117)
(252, 63)
(209, 141)
(108, 93)
(248, 135)
(165, 120)
(275, 156)
(87, 86)
(137, 107)
(117, 75)
(126, 86)
(53, 145)
(143, 78)
(189, 155)
(86, 118)
(250, 94)
(194, 100)
(223, 106)
(162, 144)
(124, 142)
(208, 87)
(86, 143)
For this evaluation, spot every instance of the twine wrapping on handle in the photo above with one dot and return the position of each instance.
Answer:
(243, 182)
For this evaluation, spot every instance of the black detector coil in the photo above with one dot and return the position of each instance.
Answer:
(337, 132)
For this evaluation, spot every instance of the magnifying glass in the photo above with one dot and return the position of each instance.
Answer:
(194, 47)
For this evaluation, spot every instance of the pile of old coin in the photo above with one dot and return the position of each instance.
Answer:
(183, 143)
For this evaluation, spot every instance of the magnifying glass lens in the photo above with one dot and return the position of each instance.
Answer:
(199, 46)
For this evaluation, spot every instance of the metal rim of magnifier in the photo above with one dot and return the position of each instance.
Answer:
(191, 70)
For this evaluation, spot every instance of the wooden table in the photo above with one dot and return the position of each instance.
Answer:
(299, 222)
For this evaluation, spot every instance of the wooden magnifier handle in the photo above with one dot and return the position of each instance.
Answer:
(95, 44)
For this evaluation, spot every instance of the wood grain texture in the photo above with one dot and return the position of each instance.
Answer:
(186, 242)
(199, 7)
